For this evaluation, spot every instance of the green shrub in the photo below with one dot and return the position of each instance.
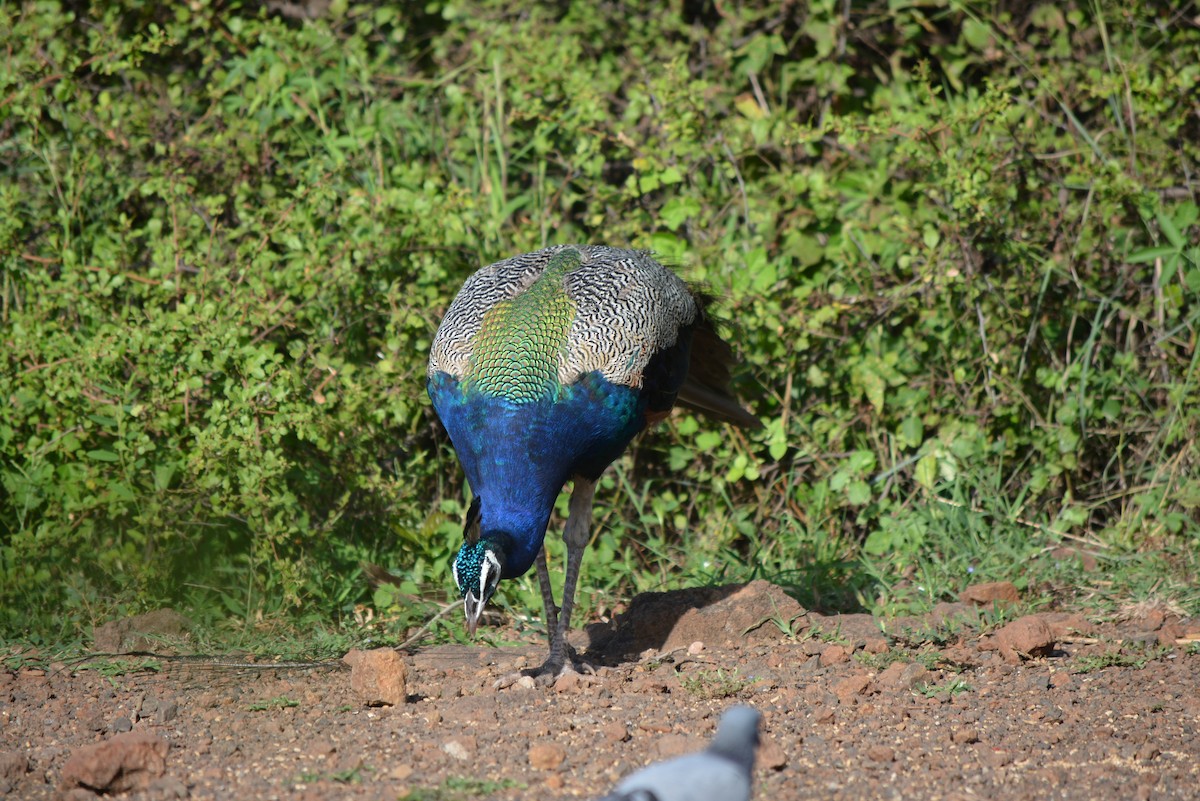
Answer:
(957, 244)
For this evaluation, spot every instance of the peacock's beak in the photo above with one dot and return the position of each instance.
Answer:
(473, 606)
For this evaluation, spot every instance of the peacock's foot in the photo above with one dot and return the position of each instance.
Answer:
(559, 675)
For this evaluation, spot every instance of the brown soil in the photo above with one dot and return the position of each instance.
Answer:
(848, 713)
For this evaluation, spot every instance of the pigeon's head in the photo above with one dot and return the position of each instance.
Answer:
(737, 735)
(477, 570)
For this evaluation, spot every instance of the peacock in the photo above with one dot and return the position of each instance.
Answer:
(543, 369)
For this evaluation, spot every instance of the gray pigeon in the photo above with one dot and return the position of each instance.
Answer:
(721, 772)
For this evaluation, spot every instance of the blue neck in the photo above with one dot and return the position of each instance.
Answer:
(518, 456)
(519, 529)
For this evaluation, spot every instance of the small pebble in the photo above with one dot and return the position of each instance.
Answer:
(834, 655)
(546, 756)
(964, 735)
(567, 682)
(881, 753)
(1147, 752)
(771, 755)
(614, 732)
(455, 749)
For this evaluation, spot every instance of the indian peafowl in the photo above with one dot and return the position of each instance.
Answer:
(544, 368)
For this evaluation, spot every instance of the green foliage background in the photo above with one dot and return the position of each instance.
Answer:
(957, 244)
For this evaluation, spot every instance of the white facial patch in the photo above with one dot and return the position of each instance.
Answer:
(490, 565)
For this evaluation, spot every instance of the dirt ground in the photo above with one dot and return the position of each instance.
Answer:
(951, 706)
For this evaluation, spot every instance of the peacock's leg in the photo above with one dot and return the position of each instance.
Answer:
(558, 621)
(575, 534)
(543, 574)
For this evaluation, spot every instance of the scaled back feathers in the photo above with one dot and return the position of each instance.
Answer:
(590, 307)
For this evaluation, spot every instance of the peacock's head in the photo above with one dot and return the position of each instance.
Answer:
(477, 570)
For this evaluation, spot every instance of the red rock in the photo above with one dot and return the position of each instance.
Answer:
(664, 621)
(993, 757)
(566, 682)
(657, 727)
(876, 645)
(1147, 752)
(771, 755)
(648, 684)
(128, 761)
(546, 756)
(13, 765)
(614, 732)
(902, 676)
(848, 688)
(1060, 680)
(989, 593)
(964, 735)
(1025, 637)
(1152, 620)
(1066, 625)
(834, 655)
(881, 753)
(462, 748)
(379, 676)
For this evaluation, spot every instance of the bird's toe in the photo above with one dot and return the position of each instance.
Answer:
(521, 679)
(560, 676)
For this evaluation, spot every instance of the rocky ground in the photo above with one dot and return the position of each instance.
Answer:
(963, 704)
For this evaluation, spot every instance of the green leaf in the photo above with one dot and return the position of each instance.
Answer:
(874, 387)
(1151, 254)
(911, 432)
(878, 542)
(103, 456)
(976, 33)
(1169, 267)
(678, 210)
(926, 472)
(1167, 226)
(1192, 279)
(163, 474)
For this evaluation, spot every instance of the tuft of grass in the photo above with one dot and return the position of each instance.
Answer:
(1129, 655)
(112, 669)
(347, 776)
(457, 788)
(280, 702)
(715, 684)
(945, 690)
(818, 632)
(943, 632)
(926, 657)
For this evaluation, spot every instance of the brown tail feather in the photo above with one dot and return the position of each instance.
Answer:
(706, 388)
